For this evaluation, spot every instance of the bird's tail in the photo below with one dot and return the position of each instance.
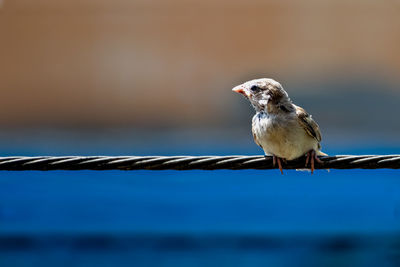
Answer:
(320, 153)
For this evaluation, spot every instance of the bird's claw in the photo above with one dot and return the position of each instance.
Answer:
(312, 157)
(275, 160)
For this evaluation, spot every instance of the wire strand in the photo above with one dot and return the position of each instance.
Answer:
(232, 162)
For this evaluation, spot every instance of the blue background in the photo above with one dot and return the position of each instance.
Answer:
(198, 218)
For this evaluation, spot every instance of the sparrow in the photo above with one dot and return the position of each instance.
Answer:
(282, 129)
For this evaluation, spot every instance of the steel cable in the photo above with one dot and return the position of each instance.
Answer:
(47, 163)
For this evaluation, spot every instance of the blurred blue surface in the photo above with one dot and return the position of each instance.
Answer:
(198, 218)
(353, 201)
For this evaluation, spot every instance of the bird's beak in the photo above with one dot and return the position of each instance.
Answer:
(239, 89)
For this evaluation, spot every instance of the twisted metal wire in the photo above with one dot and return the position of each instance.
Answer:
(46, 163)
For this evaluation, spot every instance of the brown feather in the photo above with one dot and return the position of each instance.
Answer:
(309, 125)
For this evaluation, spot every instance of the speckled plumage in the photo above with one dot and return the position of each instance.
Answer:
(279, 127)
(282, 135)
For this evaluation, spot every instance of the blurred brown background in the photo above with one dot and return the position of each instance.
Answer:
(149, 64)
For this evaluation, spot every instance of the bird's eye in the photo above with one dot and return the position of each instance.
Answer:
(255, 88)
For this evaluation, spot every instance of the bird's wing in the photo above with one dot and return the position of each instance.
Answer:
(309, 125)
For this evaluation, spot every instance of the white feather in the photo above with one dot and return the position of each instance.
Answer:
(282, 135)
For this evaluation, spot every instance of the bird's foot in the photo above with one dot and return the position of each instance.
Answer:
(312, 157)
(275, 160)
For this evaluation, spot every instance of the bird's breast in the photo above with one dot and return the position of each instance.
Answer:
(282, 137)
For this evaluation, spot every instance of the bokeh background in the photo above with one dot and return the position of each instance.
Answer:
(121, 77)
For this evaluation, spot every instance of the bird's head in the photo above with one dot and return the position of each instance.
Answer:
(266, 95)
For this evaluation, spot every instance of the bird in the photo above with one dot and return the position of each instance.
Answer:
(282, 129)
